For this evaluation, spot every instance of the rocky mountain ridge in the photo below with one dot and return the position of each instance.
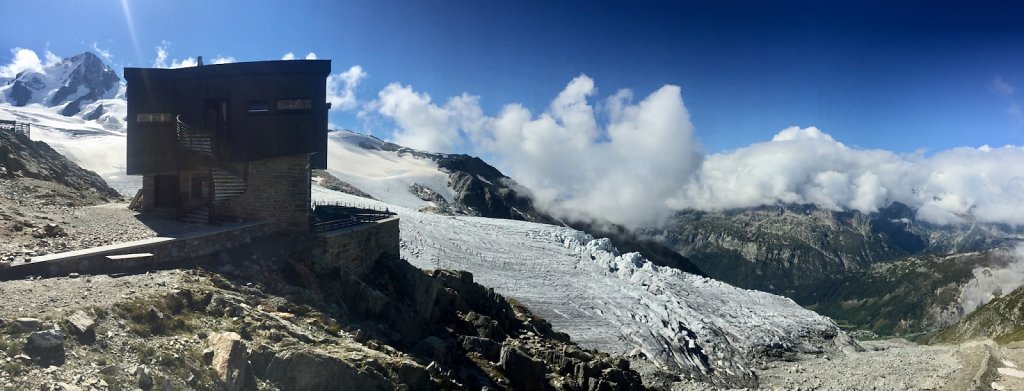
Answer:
(20, 157)
(791, 250)
(71, 83)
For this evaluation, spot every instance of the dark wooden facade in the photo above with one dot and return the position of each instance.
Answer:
(252, 111)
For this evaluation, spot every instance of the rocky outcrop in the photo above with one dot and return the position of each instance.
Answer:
(325, 179)
(22, 157)
(482, 188)
(303, 370)
(228, 358)
(468, 333)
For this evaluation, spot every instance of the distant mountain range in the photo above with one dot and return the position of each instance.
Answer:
(793, 250)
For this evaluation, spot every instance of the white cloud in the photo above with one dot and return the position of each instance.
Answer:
(223, 60)
(1001, 87)
(162, 54)
(23, 60)
(101, 52)
(291, 56)
(421, 123)
(187, 62)
(341, 88)
(949, 187)
(626, 170)
(642, 162)
(992, 281)
(51, 59)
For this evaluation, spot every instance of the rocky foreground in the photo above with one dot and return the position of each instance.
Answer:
(253, 322)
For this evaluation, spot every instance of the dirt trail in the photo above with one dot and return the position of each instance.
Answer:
(902, 365)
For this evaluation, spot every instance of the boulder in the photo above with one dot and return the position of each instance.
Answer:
(46, 348)
(486, 348)
(229, 359)
(145, 377)
(83, 326)
(522, 371)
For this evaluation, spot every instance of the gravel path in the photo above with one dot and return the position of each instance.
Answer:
(38, 218)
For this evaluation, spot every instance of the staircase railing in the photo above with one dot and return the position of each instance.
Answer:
(189, 138)
(224, 183)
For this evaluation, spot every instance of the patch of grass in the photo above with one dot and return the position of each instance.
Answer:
(14, 368)
(160, 316)
(11, 346)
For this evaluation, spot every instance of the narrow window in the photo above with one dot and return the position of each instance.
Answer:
(153, 117)
(259, 106)
(294, 104)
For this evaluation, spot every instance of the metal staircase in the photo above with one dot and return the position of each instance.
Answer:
(225, 184)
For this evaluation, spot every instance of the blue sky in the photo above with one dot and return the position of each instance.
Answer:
(871, 74)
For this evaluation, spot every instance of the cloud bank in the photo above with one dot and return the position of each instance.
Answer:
(626, 169)
(636, 161)
(807, 166)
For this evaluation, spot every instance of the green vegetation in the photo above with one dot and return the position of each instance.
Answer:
(1001, 319)
(167, 315)
(903, 297)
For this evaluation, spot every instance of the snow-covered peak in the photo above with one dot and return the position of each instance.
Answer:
(69, 84)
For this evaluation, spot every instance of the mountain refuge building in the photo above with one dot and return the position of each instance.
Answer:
(231, 140)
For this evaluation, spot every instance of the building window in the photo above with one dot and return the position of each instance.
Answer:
(294, 104)
(259, 106)
(154, 117)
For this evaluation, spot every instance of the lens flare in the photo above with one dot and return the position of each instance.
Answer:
(131, 29)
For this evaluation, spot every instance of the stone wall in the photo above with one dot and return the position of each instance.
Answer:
(167, 252)
(277, 190)
(355, 249)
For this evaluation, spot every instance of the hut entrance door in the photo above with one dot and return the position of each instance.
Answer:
(215, 115)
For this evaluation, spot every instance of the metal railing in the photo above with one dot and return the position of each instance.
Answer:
(334, 216)
(192, 139)
(17, 127)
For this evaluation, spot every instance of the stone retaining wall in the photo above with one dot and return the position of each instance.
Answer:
(167, 252)
(355, 249)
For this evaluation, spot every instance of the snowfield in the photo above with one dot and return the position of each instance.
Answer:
(617, 303)
(362, 162)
